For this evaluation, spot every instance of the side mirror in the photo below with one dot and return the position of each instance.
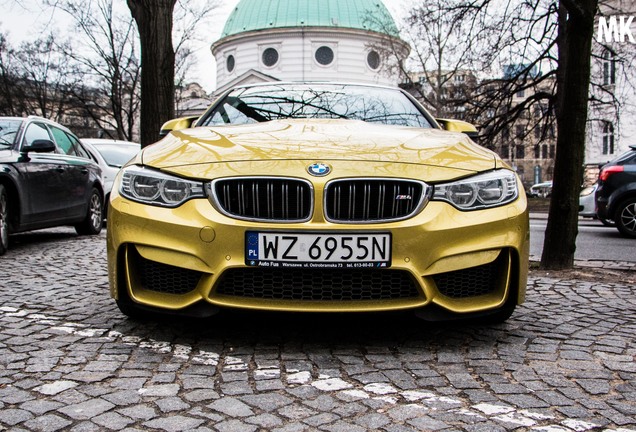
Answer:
(177, 124)
(459, 126)
(39, 146)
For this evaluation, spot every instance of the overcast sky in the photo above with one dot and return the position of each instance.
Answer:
(28, 19)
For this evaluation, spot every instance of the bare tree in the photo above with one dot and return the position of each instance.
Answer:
(10, 100)
(108, 59)
(445, 46)
(45, 77)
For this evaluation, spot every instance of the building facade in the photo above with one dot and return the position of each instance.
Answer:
(612, 115)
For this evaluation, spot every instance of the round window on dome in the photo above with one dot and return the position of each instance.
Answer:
(324, 55)
(373, 60)
(270, 57)
(230, 63)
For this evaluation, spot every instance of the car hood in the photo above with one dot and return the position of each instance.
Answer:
(318, 140)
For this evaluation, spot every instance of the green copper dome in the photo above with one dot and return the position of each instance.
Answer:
(250, 15)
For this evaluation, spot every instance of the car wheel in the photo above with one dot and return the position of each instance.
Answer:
(626, 218)
(4, 220)
(92, 223)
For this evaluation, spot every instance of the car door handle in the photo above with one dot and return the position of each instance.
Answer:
(59, 169)
(84, 170)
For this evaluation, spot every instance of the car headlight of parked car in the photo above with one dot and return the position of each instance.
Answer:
(153, 187)
(487, 190)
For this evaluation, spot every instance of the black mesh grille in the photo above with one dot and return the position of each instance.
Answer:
(360, 200)
(315, 284)
(265, 198)
(470, 282)
(164, 278)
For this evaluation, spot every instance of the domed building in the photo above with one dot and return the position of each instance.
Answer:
(308, 40)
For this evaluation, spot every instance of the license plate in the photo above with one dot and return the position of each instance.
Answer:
(317, 250)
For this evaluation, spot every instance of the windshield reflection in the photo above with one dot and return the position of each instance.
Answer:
(273, 102)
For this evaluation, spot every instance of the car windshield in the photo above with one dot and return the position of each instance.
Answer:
(117, 155)
(8, 131)
(273, 102)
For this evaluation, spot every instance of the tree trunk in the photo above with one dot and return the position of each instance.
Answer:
(154, 22)
(575, 49)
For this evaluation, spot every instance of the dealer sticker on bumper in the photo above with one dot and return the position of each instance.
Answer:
(317, 250)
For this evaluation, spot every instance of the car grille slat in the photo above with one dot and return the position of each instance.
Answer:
(373, 200)
(317, 284)
(264, 198)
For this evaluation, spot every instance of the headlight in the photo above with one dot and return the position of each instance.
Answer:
(156, 188)
(491, 189)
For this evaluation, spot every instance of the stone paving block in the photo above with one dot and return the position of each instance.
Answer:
(112, 421)
(235, 426)
(138, 412)
(87, 410)
(266, 421)
(231, 407)
(171, 404)
(12, 417)
(159, 390)
(267, 401)
(176, 423)
(321, 419)
(48, 423)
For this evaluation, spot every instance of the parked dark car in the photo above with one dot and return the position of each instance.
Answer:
(47, 178)
(616, 193)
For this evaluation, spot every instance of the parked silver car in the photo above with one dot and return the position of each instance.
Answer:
(110, 155)
(542, 190)
(587, 205)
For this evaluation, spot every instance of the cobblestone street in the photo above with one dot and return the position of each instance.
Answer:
(69, 360)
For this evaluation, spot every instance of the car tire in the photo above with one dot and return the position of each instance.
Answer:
(500, 316)
(608, 222)
(93, 222)
(625, 218)
(125, 306)
(4, 220)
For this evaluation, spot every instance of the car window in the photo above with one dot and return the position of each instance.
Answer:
(265, 103)
(117, 155)
(626, 158)
(63, 141)
(8, 131)
(227, 114)
(79, 148)
(36, 131)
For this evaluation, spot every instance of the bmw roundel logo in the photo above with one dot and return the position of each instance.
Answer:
(319, 169)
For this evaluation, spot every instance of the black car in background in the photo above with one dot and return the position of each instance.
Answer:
(616, 192)
(47, 178)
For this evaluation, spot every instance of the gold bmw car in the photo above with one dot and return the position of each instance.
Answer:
(318, 197)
